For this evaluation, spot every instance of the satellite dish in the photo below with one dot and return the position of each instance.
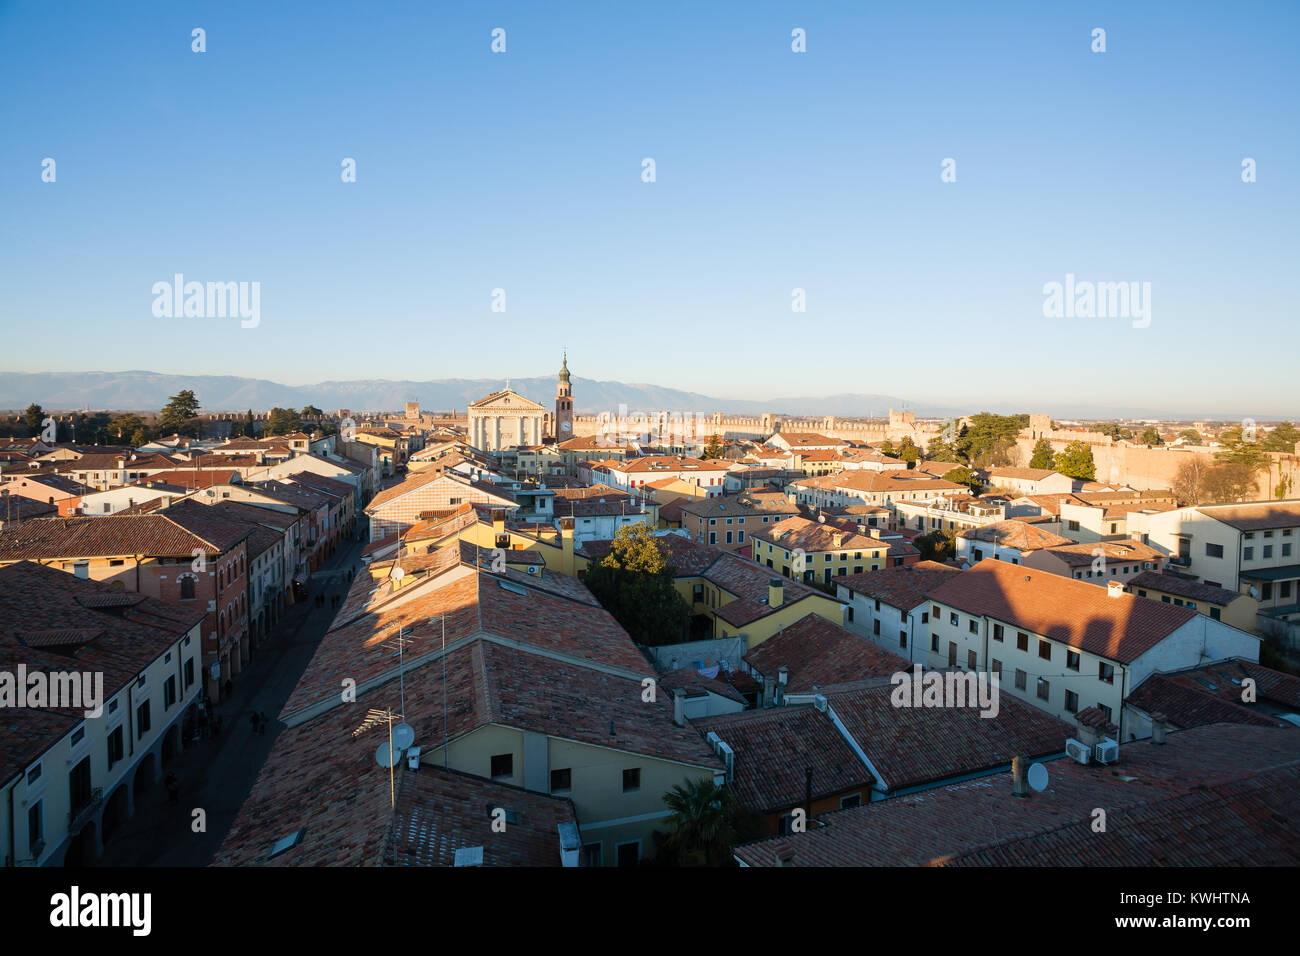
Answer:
(1038, 777)
(1254, 592)
(403, 736)
(387, 756)
(397, 574)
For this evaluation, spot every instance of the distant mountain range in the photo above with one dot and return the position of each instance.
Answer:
(143, 391)
(149, 391)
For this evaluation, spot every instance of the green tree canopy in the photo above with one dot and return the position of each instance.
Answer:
(1076, 461)
(1151, 436)
(707, 821)
(1282, 438)
(714, 448)
(1190, 436)
(283, 421)
(180, 415)
(1043, 456)
(34, 417)
(634, 582)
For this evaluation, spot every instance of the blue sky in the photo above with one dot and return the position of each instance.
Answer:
(775, 170)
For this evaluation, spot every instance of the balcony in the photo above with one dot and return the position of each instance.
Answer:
(78, 817)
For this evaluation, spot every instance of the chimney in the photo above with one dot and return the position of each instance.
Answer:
(862, 529)
(566, 544)
(1114, 589)
(769, 691)
(875, 533)
(1157, 728)
(807, 792)
(498, 520)
(837, 539)
(1019, 776)
(775, 593)
(679, 707)
(783, 675)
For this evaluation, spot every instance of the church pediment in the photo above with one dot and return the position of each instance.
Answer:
(507, 400)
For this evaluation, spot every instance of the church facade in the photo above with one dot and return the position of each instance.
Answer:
(506, 419)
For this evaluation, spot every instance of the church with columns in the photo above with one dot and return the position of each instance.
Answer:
(506, 419)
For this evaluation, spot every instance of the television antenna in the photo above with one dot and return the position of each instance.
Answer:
(386, 755)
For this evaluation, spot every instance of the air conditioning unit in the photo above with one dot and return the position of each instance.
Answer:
(532, 569)
(1078, 751)
(1108, 751)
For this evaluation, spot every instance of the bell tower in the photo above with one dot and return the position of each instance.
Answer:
(564, 404)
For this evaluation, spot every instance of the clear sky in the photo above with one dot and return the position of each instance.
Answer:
(775, 171)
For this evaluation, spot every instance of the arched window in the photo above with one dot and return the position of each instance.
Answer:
(187, 588)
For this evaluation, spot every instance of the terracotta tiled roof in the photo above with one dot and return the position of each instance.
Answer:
(910, 746)
(1212, 796)
(1118, 627)
(903, 587)
(749, 581)
(813, 536)
(774, 749)
(772, 503)
(154, 535)
(668, 463)
(818, 653)
(1014, 533)
(696, 684)
(1185, 705)
(1257, 517)
(1081, 555)
(113, 633)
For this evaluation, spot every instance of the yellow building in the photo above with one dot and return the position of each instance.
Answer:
(817, 552)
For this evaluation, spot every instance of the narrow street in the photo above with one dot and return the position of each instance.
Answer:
(216, 775)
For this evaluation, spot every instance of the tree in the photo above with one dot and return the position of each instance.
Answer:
(936, 546)
(635, 583)
(94, 428)
(1114, 430)
(311, 412)
(180, 415)
(1043, 457)
(887, 448)
(707, 821)
(988, 438)
(1230, 482)
(283, 421)
(1151, 436)
(1076, 461)
(123, 427)
(1188, 485)
(250, 428)
(909, 452)
(34, 418)
(1239, 447)
(714, 448)
(1190, 436)
(964, 476)
(1282, 438)
(944, 448)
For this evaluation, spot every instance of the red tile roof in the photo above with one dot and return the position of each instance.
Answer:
(902, 587)
(1118, 627)
(1212, 796)
(818, 653)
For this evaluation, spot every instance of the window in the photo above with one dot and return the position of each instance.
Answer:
(78, 735)
(952, 618)
(1105, 672)
(1071, 702)
(187, 588)
(1268, 551)
(1044, 689)
(142, 720)
(34, 774)
(1074, 525)
(115, 748)
(562, 779)
(997, 632)
(169, 692)
(36, 827)
(1213, 550)
(503, 765)
(1214, 613)
(997, 667)
(902, 638)
(1104, 709)
(935, 611)
(1022, 641)
(852, 800)
(592, 854)
(875, 627)
(971, 660)
(1045, 650)
(925, 617)
(631, 779)
(934, 643)
(1248, 554)
(1072, 660)
(189, 672)
(1021, 679)
(952, 654)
